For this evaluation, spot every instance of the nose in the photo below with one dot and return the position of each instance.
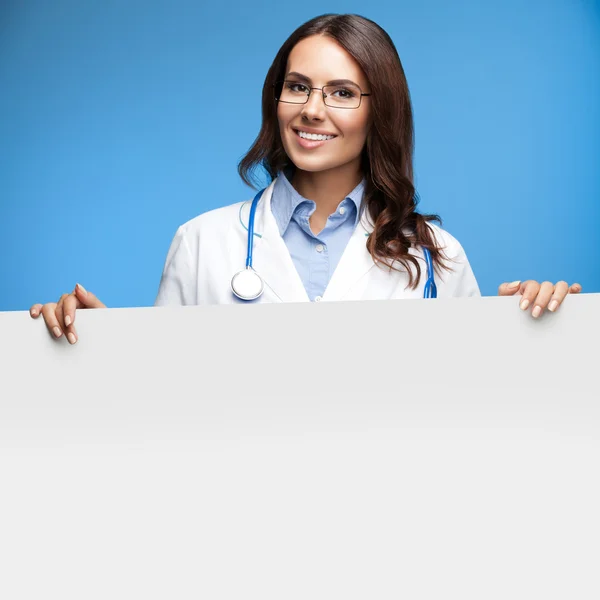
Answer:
(314, 109)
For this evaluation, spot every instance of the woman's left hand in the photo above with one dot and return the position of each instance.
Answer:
(539, 296)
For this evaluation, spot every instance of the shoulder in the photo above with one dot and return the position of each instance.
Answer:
(450, 246)
(456, 276)
(211, 228)
(215, 220)
(442, 238)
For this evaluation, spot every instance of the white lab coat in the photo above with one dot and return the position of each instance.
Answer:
(208, 250)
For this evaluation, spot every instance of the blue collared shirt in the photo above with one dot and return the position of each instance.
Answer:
(315, 256)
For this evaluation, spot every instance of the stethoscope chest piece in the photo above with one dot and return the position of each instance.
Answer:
(247, 284)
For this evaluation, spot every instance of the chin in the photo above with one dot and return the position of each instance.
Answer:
(312, 165)
(310, 168)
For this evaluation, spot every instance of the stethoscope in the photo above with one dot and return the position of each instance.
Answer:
(248, 285)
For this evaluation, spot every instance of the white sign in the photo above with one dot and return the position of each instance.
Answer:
(385, 449)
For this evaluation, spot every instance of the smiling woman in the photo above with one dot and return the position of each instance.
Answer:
(373, 135)
(339, 220)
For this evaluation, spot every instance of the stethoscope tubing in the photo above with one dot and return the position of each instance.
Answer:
(251, 229)
(430, 290)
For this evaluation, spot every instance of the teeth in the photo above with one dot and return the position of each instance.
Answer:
(315, 137)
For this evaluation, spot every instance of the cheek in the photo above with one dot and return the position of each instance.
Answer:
(353, 125)
(285, 114)
(280, 121)
(282, 118)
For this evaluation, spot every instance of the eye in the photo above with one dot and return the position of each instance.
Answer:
(298, 88)
(344, 93)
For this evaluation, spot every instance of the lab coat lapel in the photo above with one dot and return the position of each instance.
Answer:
(355, 263)
(271, 257)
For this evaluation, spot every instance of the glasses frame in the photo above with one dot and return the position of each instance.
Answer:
(310, 89)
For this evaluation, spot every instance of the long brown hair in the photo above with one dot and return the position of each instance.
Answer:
(387, 158)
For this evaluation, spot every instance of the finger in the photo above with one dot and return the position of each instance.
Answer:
(561, 289)
(68, 308)
(88, 299)
(509, 289)
(542, 299)
(59, 313)
(575, 288)
(35, 310)
(529, 291)
(70, 304)
(48, 312)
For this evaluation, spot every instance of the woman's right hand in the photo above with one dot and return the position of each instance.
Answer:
(60, 316)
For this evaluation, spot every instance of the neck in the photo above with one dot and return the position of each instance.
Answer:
(327, 188)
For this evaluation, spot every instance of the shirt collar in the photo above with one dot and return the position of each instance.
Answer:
(286, 200)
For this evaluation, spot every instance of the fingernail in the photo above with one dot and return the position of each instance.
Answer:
(553, 305)
(34, 313)
(524, 304)
(67, 320)
(71, 337)
(82, 289)
(57, 332)
(514, 284)
(537, 311)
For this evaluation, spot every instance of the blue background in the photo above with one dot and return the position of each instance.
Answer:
(119, 121)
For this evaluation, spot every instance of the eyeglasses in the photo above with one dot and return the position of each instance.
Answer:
(347, 95)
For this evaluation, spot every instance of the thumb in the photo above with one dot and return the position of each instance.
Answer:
(88, 299)
(509, 289)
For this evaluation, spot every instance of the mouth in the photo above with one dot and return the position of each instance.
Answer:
(309, 140)
(314, 137)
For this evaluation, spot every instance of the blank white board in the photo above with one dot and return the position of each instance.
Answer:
(393, 449)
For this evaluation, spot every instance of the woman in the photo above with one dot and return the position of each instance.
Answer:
(339, 220)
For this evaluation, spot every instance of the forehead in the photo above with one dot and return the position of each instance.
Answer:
(322, 59)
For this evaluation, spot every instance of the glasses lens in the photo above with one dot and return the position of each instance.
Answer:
(342, 96)
(293, 92)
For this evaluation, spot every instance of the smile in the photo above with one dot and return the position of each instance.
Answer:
(314, 137)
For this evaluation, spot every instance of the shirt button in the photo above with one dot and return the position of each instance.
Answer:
(318, 299)
(319, 247)
(342, 210)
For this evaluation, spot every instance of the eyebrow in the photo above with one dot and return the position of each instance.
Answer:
(332, 82)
